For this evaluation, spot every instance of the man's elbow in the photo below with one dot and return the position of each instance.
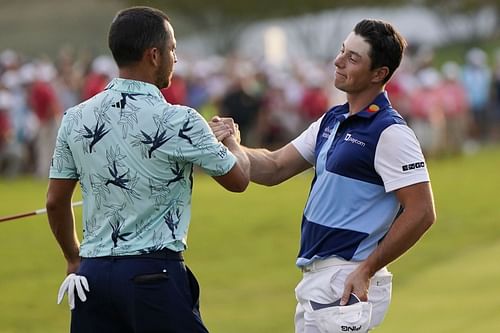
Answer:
(55, 203)
(429, 217)
(241, 178)
(51, 204)
(239, 186)
(234, 181)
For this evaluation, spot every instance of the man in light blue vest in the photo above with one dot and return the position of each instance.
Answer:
(133, 155)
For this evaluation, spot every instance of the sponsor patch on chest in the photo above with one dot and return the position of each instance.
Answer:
(350, 138)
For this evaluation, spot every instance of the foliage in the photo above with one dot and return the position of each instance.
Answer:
(223, 21)
(225, 11)
(460, 5)
(236, 11)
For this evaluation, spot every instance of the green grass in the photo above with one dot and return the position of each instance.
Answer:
(243, 248)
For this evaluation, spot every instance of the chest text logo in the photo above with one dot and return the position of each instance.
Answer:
(351, 139)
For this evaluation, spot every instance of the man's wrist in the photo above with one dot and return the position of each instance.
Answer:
(230, 141)
(367, 268)
(73, 257)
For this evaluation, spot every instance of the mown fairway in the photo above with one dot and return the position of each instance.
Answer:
(243, 247)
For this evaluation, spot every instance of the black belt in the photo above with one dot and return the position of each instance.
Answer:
(160, 254)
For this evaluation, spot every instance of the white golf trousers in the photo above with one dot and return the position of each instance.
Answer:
(323, 282)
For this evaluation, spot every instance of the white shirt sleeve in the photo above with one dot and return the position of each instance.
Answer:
(399, 159)
(305, 143)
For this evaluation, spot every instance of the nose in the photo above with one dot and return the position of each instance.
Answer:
(175, 57)
(338, 62)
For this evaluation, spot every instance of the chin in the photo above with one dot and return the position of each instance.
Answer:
(163, 84)
(339, 86)
(168, 81)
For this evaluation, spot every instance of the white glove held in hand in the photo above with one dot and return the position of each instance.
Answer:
(69, 284)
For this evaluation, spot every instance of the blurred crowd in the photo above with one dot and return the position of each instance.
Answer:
(452, 109)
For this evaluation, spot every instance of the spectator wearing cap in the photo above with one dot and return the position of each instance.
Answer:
(455, 107)
(10, 156)
(426, 109)
(103, 69)
(314, 100)
(45, 105)
(477, 82)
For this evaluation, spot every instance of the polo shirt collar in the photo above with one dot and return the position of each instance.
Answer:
(379, 103)
(134, 87)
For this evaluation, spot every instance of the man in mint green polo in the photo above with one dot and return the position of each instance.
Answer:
(133, 155)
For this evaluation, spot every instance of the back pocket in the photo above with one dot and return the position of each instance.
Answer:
(150, 278)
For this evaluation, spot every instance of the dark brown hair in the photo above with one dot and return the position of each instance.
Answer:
(387, 44)
(134, 30)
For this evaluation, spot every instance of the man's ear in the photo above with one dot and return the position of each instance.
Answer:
(153, 56)
(380, 74)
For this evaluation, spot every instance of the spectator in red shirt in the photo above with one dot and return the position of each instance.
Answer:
(10, 153)
(314, 101)
(176, 93)
(5, 127)
(46, 106)
(455, 107)
(428, 121)
(103, 69)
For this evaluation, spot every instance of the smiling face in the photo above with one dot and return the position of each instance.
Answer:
(353, 73)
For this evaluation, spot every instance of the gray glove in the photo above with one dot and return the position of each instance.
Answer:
(69, 284)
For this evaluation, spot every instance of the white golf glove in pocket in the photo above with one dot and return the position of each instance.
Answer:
(338, 319)
(70, 283)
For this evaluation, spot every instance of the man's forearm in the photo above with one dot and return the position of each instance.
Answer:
(405, 232)
(263, 167)
(240, 154)
(274, 167)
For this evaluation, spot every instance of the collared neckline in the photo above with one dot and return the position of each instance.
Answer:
(134, 87)
(379, 103)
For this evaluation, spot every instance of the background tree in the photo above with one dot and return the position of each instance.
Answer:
(222, 21)
(226, 19)
(470, 8)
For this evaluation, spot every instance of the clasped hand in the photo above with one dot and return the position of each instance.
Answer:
(224, 128)
(69, 285)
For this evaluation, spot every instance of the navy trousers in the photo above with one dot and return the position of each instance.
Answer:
(138, 295)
